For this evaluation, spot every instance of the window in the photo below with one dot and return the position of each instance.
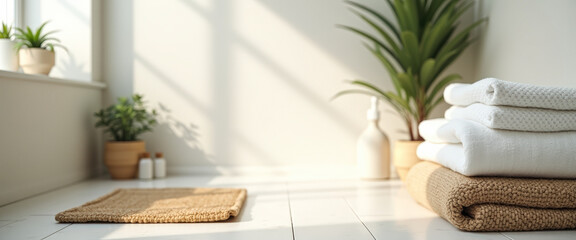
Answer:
(8, 12)
(73, 22)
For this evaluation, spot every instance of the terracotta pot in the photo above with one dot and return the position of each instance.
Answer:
(37, 60)
(121, 158)
(8, 56)
(404, 156)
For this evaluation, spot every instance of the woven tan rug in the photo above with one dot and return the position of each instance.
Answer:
(162, 205)
(494, 203)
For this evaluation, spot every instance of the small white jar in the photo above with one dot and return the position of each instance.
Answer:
(145, 168)
(159, 165)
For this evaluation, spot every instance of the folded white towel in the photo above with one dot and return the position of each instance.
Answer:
(489, 152)
(439, 131)
(455, 157)
(491, 91)
(515, 118)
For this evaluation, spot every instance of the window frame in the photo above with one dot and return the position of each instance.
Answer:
(11, 13)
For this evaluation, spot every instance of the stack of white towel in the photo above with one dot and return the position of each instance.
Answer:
(499, 128)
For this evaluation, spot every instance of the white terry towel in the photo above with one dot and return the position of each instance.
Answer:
(491, 91)
(475, 150)
(514, 118)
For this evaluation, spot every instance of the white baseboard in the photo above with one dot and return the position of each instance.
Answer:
(343, 170)
(319, 171)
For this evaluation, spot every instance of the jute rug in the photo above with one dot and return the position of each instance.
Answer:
(494, 203)
(162, 205)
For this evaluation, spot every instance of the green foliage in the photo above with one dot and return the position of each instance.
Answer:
(36, 39)
(415, 48)
(6, 31)
(126, 119)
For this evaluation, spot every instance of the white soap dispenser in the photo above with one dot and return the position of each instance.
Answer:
(373, 148)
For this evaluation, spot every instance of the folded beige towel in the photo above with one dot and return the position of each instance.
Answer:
(494, 203)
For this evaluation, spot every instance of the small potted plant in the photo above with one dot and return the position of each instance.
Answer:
(125, 121)
(8, 54)
(36, 49)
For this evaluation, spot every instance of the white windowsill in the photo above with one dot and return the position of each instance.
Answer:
(47, 79)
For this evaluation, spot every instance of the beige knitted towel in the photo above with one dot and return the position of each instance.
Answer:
(494, 203)
(161, 205)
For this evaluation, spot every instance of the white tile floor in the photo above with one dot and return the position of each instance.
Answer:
(276, 208)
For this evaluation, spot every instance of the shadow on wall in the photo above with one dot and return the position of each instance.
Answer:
(226, 38)
(293, 11)
(182, 139)
(314, 20)
(118, 50)
(348, 48)
(70, 66)
(178, 140)
(73, 69)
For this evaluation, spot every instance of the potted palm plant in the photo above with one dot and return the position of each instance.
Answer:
(36, 50)
(8, 54)
(415, 46)
(125, 121)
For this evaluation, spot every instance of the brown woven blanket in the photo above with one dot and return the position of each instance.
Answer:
(494, 203)
(162, 205)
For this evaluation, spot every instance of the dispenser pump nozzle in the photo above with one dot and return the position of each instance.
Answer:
(373, 113)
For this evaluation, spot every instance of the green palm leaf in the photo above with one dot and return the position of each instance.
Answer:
(37, 38)
(379, 16)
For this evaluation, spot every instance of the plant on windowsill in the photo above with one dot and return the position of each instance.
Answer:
(8, 54)
(36, 50)
(415, 46)
(125, 121)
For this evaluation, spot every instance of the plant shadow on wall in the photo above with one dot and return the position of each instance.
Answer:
(71, 68)
(182, 138)
(177, 139)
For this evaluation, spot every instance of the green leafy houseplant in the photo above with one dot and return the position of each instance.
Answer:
(415, 47)
(126, 119)
(6, 31)
(37, 39)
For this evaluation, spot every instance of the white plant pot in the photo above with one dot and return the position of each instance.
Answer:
(8, 55)
(37, 60)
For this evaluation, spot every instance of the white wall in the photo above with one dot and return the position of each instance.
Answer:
(246, 83)
(47, 138)
(73, 20)
(529, 41)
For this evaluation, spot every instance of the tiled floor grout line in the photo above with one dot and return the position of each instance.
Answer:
(57, 231)
(12, 222)
(8, 223)
(506, 236)
(358, 217)
(42, 193)
(290, 210)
